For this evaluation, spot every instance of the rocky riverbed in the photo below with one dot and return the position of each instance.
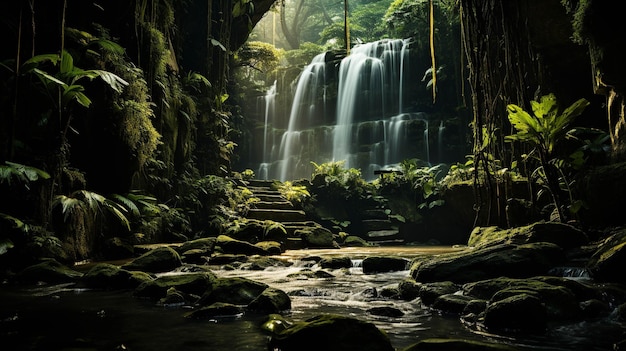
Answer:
(506, 287)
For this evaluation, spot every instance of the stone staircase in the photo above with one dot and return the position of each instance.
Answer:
(273, 206)
(378, 227)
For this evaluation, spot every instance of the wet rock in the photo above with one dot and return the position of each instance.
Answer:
(111, 277)
(272, 247)
(259, 263)
(594, 308)
(196, 256)
(355, 241)
(237, 290)
(336, 262)
(608, 262)
(232, 246)
(191, 283)
(331, 333)
(162, 259)
(561, 302)
(317, 237)
(380, 264)
(275, 324)
(271, 300)
(205, 244)
(429, 292)
(457, 345)
(451, 303)
(172, 297)
(409, 289)
(385, 311)
(561, 234)
(216, 310)
(516, 261)
(48, 271)
(517, 313)
(311, 274)
(220, 259)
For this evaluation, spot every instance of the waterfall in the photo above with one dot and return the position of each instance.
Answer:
(303, 111)
(369, 123)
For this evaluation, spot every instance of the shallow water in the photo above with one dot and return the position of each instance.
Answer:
(62, 318)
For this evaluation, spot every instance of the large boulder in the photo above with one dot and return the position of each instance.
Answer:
(336, 262)
(162, 259)
(111, 277)
(190, 283)
(233, 246)
(236, 290)
(517, 313)
(331, 333)
(271, 300)
(48, 271)
(509, 260)
(381, 264)
(561, 234)
(608, 262)
(317, 237)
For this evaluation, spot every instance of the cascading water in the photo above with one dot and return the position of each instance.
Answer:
(270, 111)
(368, 123)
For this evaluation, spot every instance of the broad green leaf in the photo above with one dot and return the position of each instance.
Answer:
(35, 61)
(114, 81)
(67, 63)
(521, 120)
(45, 76)
(546, 106)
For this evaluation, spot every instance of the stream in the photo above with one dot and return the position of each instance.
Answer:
(61, 317)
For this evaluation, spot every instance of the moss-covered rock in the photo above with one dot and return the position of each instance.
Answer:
(517, 313)
(271, 301)
(561, 234)
(162, 259)
(381, 264)
(516, 261)
(111, 277)
(229, 245)
(331, 333)
(238, 291)
(48, 271)
(191, 283)
(205, 244)
(608, 262)
(429, 292)
(336, 262)
(317, 237)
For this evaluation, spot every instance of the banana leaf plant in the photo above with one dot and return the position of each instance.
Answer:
(543, 130)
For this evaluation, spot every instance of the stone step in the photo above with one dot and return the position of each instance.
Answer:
(260, 183)
(269, 197)
(277, 215)
(377, 213)
(387, 234)
(274, 205)
(377, 224)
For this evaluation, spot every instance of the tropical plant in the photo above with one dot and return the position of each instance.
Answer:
(296, 194)
(12, 171)
(543, 131)
(87, 204)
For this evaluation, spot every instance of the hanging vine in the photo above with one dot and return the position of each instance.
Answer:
(502, 67)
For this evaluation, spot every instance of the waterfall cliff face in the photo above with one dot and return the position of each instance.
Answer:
(354, 110)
